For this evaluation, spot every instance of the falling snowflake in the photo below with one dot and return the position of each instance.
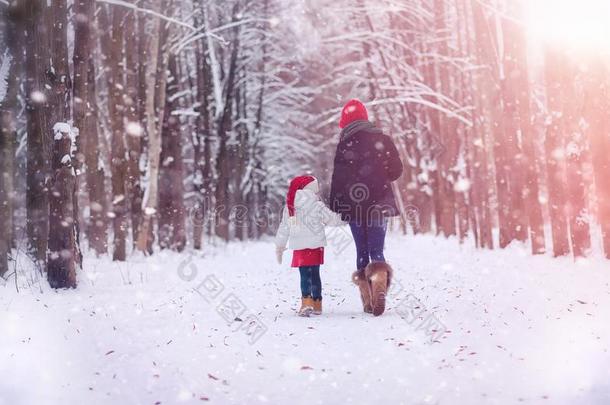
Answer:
(134, 129)
(38, 97)
(462, 185)
(274, 21)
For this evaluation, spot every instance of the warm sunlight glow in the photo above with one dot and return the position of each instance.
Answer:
(580, 24)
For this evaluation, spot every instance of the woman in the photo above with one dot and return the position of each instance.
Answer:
(366, 163)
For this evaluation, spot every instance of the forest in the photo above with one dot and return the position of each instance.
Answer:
(132, 127)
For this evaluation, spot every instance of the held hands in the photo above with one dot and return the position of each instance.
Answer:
(279, 252)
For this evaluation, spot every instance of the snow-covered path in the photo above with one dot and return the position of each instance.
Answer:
(520, 329)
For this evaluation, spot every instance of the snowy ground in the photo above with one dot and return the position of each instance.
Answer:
(520, 329)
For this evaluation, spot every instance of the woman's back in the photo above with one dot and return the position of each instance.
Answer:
(366, 162)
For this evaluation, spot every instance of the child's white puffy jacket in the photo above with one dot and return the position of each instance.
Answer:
(305, 230)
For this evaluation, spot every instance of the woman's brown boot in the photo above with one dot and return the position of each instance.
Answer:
(361, 281)
(379, 276)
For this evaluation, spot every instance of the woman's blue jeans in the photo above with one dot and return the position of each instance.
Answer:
(369, 237)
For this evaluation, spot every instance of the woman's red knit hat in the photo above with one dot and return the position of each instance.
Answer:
(298, 183)
(354, 110)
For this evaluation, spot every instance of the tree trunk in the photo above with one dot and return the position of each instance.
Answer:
(202, 147)
(576, 154)
(5, 197)
(63, 254)
(96, 176)
(464, 193)
(134, 128)
(114, 55)
(6, 192)
(526, 211)
(478, 147)
(434, 157)
(238, 160)
(36, 64)
(447, 133)
(597, 114)
(555, 156)
(491, 98)
(85, 119)
(224, 127)
(530, 192)
(517, 217)
(83, 12)
(155, 79)
(172, 232)
(426, 150)
(8, 131)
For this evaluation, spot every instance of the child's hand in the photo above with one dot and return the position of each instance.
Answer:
(279, 253)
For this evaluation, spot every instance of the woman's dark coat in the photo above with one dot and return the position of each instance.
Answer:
(366, 163)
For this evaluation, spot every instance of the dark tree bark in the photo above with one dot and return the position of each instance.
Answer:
(526, 211)
(64, 254)
(520, 75)
(13, 30)
(576, 154)
(202, 150)
(85, 119)
(427, 203)
(5, 193)
(6, 190)
(96, 174)
(597, 114)
(435, 133)
(172, 232)
(36, 66)
(465, 200)
(555, 156)
(83, 11)
(134, 122)
(491, 98)
(447, 133)
(113, 48)
(238, 156)
(253, 196)
(514, 158)
(224, 127)
(477, 146)
(156, 79)
(59, 74)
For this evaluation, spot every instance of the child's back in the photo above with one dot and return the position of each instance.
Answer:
(302, 228)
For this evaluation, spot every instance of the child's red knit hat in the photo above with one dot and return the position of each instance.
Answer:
(354, 110)
(298, 183)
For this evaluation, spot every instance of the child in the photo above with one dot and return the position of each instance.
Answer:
(302, 227)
